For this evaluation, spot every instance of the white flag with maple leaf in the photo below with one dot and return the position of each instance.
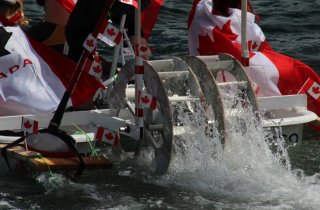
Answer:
(90, 43)
(29, 126)
(110, 34)
(311, 87)
(147, 100)
(96, 67)
(274, 73)
(107, 136)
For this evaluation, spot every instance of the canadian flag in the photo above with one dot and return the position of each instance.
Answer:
(34, 77)
(312, 88)
(144, 50)
(95, 66)
(110, 32)
(29, 126)
(90, 43)
(272, 72)
(131, 2)
(147, 100)
(108, 136)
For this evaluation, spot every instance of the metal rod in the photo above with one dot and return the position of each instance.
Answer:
(244, 41)
(139, 72)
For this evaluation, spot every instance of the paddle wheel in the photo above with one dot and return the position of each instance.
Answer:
(143, 111)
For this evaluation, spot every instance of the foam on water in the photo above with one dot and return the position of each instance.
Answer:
(246, 171)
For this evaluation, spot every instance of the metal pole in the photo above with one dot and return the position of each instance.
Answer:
(139, 72)
(115, 57)
(244, 41)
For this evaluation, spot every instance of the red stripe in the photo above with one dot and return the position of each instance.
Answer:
(153, 104)
(35, 127)
(245, 61)
(137, 51)
(100, 133)
(103, 26)
(308, 84)
(139, 112)
(118, 38)
(139, 69)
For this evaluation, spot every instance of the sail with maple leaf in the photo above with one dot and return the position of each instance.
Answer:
(274, 73)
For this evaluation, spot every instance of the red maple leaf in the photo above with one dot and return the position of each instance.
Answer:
(255, 45)
(27, 124)
(226, 30)
(109, 136)
(111, 32)
(222, 42)
(97, 58)
(316, 90)
(145, 99)
(90, 43)
(143, 48)
(97, 69)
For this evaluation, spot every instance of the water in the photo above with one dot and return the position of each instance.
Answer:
(247, 175)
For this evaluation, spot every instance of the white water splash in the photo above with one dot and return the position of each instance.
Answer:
(246, 171)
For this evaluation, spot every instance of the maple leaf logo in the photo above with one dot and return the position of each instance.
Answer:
(226, 30)
(97, 69)
(145, 99)
(27, 125)
(143, 48)
(90, 43)
(109, 136)
(316, 90)
(223, 41)
(111, 32)
(255, 45)
(97, 59)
